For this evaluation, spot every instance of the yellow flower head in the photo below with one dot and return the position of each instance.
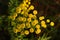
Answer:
(29, 19)
(38, 31)
(44, 25)
(35, 12)
(42, 22)
(31, 7)
(24, 19)
(30, 15)
(25, 14)
(26, 32)
(47, 20)
(25, 8)
(16, 30)
(18, 10)
(34, 22)
(52, 23)
(41, 18)
(28, 25)
(22, 5)
(22, 12)
(26, 1)
(31, 30)
(20, 18)
(18, 26)
(29, 3)
(12, 17)
(37, 26)
(34, 17)
(15, 15)
(22, 25)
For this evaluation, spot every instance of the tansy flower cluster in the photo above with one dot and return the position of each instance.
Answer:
(25, 23)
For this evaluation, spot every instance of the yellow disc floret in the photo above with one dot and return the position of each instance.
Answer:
(35, 12)
(47, 20)
(31, 7)
(26, 32)
(44, 25)
(41, 18)
(22, 25)
(31, 30)
(52, 24)
(38, 31)
(42, 22)
(37, 26)
(18, 10)
(29, 19)
(20, 19)
(34, 22)
(30, 15)
(34, 17)
(29, 3)
(28, 25)
(16, 30)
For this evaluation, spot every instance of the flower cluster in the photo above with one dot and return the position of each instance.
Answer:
(25, 22)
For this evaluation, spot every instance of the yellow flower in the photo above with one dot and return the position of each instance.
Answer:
(12, 17)
(44, 25)
(22, 5)
(31, 30)
(29, 3)
(15, 15)
(35, 12)
(24, 19)
(26, 32)
(26, 1)
(38, 31)
(47, 20)
(16, 30)
(42, 22)
(37, 26)
(25, 8)
(22, 12)
(18, 10)
(30, 15)
(52, 23)
(31, 7)
(34, 22)
(28, 25)
(22, 25)
(29, 19)
(20, 18)
(25, 14)
(34, 17)
(41, 18)
(18, 26)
